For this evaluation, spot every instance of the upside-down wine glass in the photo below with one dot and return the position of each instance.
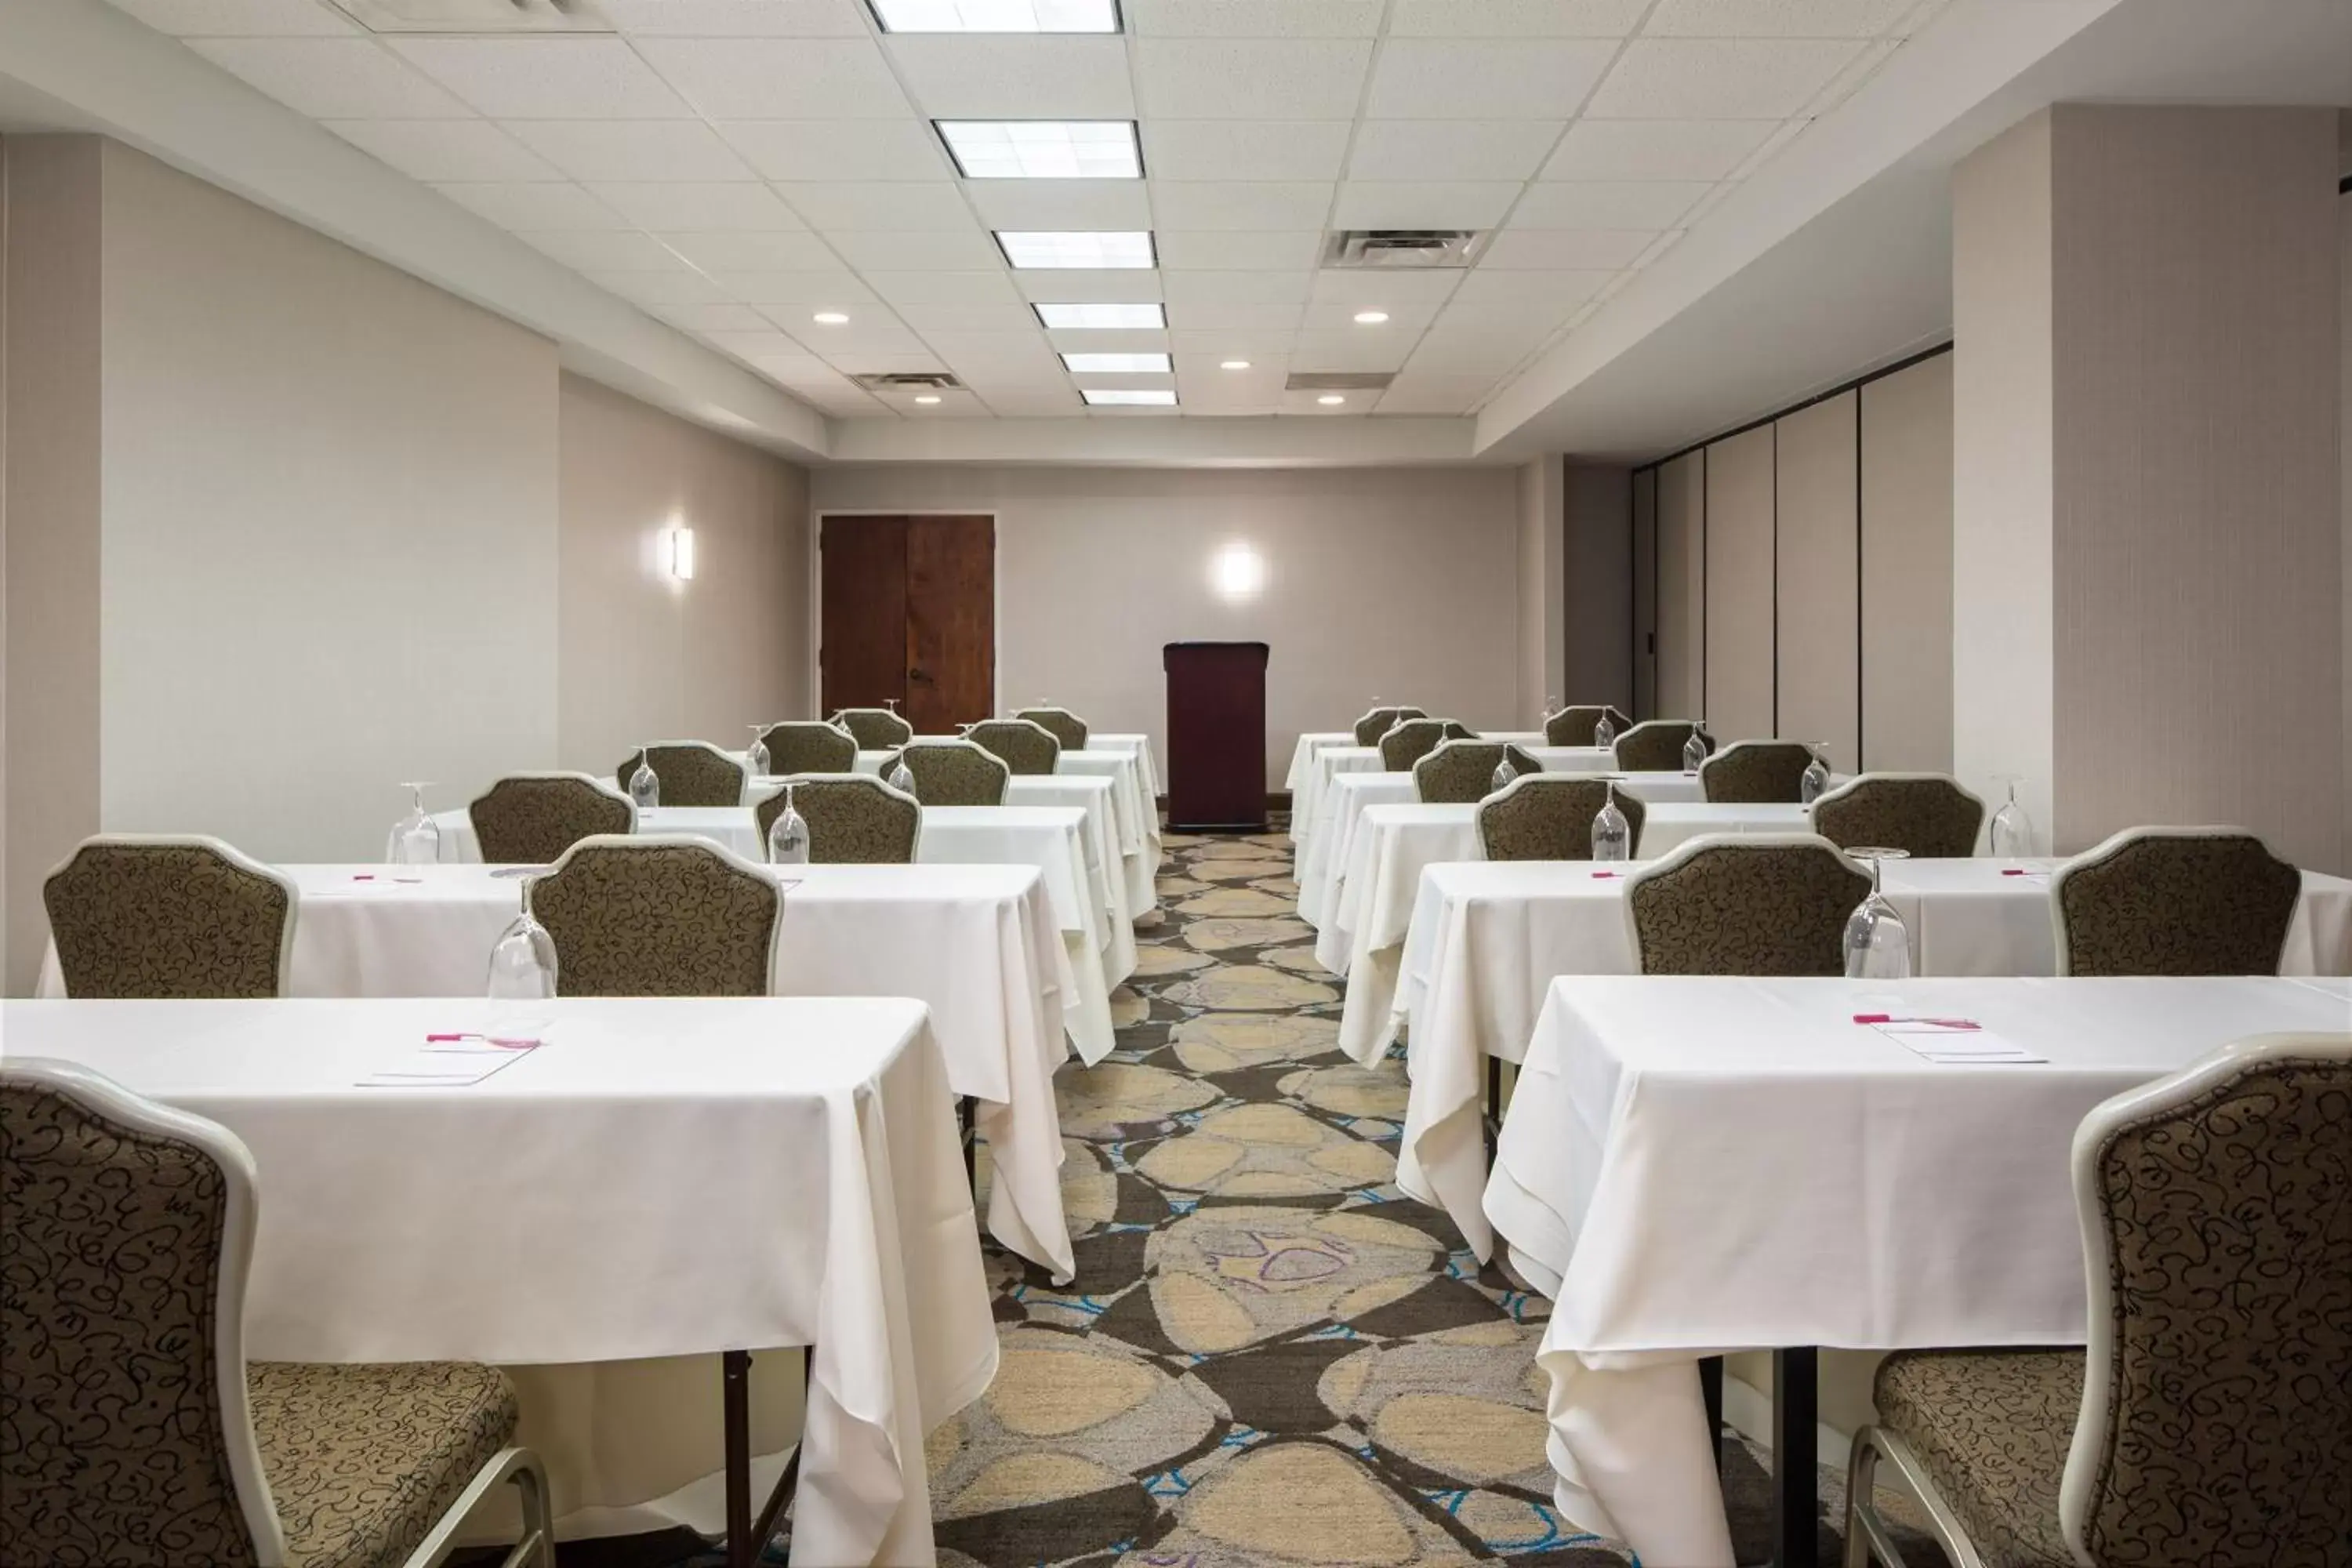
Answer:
(1604, 733)
(1877, 943)
(1503, 772)
(755, 761)
(902, 776)
(415, 838)
(1694, 748)
(1816, 778)
(522, 963)
(1612, 836)
(644, 784)
(788, 836)
(2012, 830)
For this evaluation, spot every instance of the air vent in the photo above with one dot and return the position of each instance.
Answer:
(908, 381)
(1403, 248)
(1339, 379)
(476, 16)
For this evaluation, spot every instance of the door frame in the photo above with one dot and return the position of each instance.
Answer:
(817, 514)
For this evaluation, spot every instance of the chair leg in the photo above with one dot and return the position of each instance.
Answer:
(1867, 1534)
(536, 1547)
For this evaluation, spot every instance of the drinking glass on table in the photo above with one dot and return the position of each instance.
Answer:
(902, 776)
(1694, 748)
(2012, 830)
(522, 963)
(415, 838)
(1816, 777)
(788, 836)
(1612, 836)
(644, 784)
(755, 761)
(1877, 943)
(1503, 772)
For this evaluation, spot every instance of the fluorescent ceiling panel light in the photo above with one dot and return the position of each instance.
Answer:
(1370, 318)
(1061, 318)
(1332, 400)
(1043, 149)
(830, 319)
(1129, 397)
(1117, 364)
(997, 15)
(1096, 249)
(1235, 364)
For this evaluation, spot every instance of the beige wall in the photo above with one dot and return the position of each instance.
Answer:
(1737, 697)
(1542, 613)
(1907, 568)
(1598, 549)
(644, 657)
(1817, 682)
(1681, 661)
(1395, 582)
(1645, 593)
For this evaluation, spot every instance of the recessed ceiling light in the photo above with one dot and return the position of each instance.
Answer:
(1067, 317)
(1235, 364)
(928, 398)
(997, 15)
(1043, 149)
(1090, 247)
(830, 319)
(1128, 397)
(1117, 364)
(1331, 400)
(1370, 318)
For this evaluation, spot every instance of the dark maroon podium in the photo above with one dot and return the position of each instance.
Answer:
(1216, 735)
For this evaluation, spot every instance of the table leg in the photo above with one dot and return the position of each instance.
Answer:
(1494, 1106)
(735, 1388)
(966, 1115)
(1710, 1390)
(1796, 1473)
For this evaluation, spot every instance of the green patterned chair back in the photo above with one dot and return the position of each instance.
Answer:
(1927, 815)
(658, 915)
(853, 819)
(125, 1231)
(2217, 1400)
(1413, 739)
(1758, 903)
(1655, 746)
(1548, 817)
(1063, 725)
(1378, 721)
(139, 915)
(875, 728)
(1574, 726)
(529, 819)
(1461, 772)
(1023, 747)
(1756, 773)
(952, 772)
(2174, 901)
(692, 773)
(805, 746)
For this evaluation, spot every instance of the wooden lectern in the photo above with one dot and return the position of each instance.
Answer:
(1216, 735)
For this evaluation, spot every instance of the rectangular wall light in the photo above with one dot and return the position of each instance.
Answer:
(681, 554)
(1089, 248)
(1043, 149)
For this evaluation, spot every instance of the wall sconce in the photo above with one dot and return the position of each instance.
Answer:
(681, 554)
(1237, 572)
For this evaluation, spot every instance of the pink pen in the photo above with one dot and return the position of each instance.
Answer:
(1939, 1022)
(1598, 876)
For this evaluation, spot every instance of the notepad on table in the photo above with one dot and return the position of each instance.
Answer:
(451, 1061)
(1958, 1042)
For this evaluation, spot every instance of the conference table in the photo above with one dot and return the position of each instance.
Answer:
(1314, 769)
(1487, 939)
(976, 944)
(1054, 839)
(1695, 1165)
(658, 1177)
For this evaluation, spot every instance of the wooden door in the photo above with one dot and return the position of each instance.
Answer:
(907, 613)
(950, 622)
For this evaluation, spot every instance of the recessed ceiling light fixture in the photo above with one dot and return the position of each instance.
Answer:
(1128, 397)
(1065, 317)
(1235, 364)
(1332, 400)
(1117, 364)
(830, 319)
(997, 15)
(1086, 247)
(1370, 318)
(928, 398)
(1043, 149)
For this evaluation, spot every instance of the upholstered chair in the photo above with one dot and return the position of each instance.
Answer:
(2174, 901)
(952, 772)
(1378, 721)
(2205, 1421)
(805, 746)
(1413, 739)
(853, 819)
(875, 728)
(1574, 726)
(692, 773)
(1548, 817)
(1655, 746)
(1025, 748)
(135, 1431)
(1927, 815)
(1460, 772)
(1065, 726)
(164, 915)
(1755, 904)
(1757, 772)
(529, 819)
(660, 914)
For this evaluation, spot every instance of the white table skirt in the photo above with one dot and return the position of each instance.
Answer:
(1692, 1165)
(1667, 826)
(1488, 940)
(976, 944)
(664, 1176)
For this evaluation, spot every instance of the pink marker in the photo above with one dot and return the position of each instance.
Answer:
(1939, 1022)
(1598, 876)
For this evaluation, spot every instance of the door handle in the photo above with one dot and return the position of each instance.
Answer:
(922, 676)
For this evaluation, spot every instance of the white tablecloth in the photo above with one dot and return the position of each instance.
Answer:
(1670, 823)
(1488, 940)
(1699, 1164)
(663, 1178)
(976, 944)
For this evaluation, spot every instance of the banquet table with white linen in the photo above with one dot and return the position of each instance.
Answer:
(1487, 939)
(1692, 1166)
(661, 1177)
(1667, 826)
(976, 944)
